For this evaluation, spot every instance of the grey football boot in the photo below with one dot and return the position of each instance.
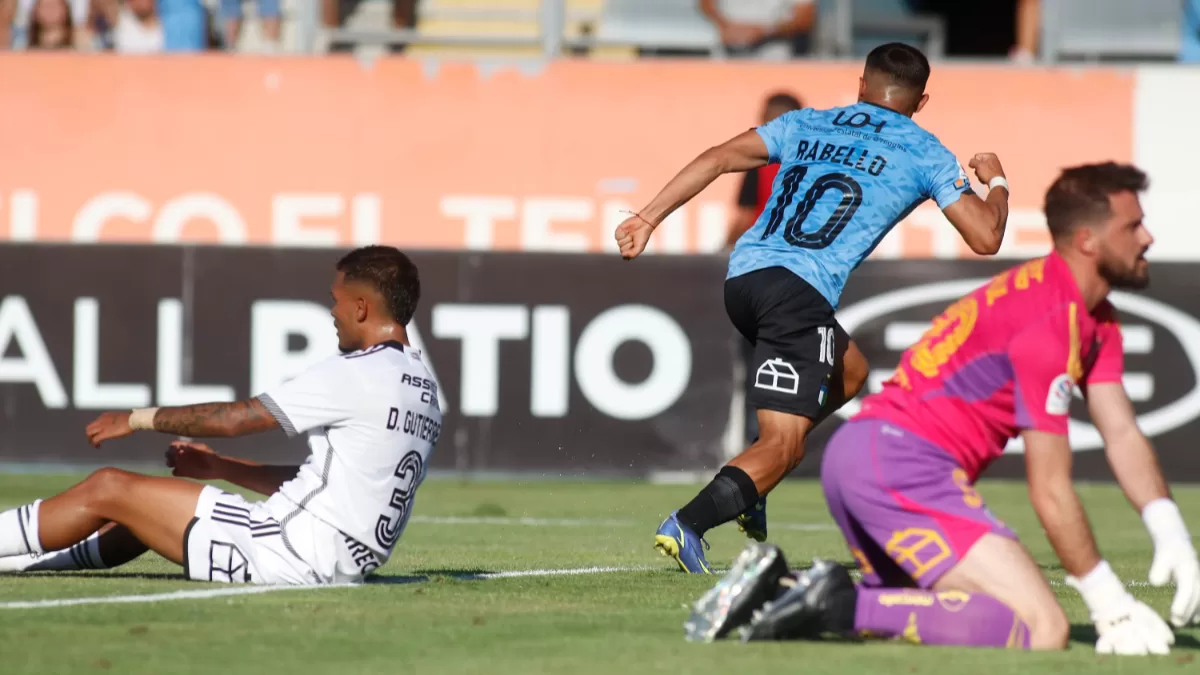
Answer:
(750, 582)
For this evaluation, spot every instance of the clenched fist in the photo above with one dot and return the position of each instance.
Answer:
(986, 166)
(632, 236)
(193, 460)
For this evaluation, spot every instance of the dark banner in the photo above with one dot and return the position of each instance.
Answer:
(888, 304)
(556, 364)
(552, 364)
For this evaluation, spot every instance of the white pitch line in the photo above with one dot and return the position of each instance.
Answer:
(1130, 584)
(551, 573)
(203, 594)
(502, 520)
(158, 597)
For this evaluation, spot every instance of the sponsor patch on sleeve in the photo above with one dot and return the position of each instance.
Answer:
(1058, 399)
(963, 181)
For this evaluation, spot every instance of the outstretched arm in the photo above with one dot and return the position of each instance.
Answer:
(743, 152)
(205, 420)
(1125, 625)
(1135, 465)
(1127, 449)
(1048, 467)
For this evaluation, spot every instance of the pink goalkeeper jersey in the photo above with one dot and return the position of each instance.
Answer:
(1001, 360)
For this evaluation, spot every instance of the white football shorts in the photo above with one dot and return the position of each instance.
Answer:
(274, 542)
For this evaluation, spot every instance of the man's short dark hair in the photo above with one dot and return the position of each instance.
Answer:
(388, 271)
(903, 64)
(784, 100)
(1080, 194)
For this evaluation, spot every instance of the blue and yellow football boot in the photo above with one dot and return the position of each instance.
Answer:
(678, 541)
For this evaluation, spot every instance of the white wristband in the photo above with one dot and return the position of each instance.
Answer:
(1101, 588)
(142, 419)
(999, 181)
(1163, 521)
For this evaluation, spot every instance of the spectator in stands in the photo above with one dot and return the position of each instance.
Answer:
(185, 25)
(155, 26)
(269, 15)
(756, 184)
(136, 28)
(45, 24)
(1025, 48)
(51, 26)
(1000, 28)
(772, 29)
(1189, 51)
(404, 16)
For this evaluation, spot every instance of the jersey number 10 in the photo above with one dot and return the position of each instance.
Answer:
(852, 196)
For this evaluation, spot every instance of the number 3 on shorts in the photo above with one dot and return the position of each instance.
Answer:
(827, 342)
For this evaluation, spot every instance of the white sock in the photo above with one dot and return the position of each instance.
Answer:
(82, 556)
(19, 530)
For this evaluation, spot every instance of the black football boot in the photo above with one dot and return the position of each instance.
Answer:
(815, 601)
(750, 582)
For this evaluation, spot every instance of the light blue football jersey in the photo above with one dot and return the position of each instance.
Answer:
(847, 176)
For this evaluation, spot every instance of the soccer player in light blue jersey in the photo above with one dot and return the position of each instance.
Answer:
(847, 176)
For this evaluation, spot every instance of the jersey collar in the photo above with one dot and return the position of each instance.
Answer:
(884, 109)
(1059, 267)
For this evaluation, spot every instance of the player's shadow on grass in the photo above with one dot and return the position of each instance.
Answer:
(455, 573)
(422, 576)
(1085, 633)
(393, 579)
(146, 576)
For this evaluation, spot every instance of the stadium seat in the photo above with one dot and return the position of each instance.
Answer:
(294, 17)
(878, 21)
(1111, 29)
(451, 25)
(667, 24)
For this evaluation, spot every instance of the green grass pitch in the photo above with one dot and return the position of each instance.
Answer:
(433, 620)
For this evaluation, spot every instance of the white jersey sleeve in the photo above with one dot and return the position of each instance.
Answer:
(317, 397)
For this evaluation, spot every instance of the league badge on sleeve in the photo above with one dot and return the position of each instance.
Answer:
(963, 181)
(1058, 399)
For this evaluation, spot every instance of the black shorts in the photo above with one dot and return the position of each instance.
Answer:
(796, 339)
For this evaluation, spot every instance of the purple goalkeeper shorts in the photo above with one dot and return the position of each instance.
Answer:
(905, 506)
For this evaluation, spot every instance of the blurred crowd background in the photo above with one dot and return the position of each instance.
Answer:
(1023, 31)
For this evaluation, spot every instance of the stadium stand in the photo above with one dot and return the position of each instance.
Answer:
(1111, 29)
(1070, 30)
(299, 26)
(470, 28)
(608, 28)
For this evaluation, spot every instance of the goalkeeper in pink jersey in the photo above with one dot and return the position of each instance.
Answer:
(1002, 362)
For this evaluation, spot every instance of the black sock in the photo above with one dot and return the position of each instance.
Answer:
(731, 492)
(839, 614)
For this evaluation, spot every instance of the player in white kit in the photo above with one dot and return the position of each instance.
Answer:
(372, 419)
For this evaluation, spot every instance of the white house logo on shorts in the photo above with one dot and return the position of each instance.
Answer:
(777, 375)
(1058, 399)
